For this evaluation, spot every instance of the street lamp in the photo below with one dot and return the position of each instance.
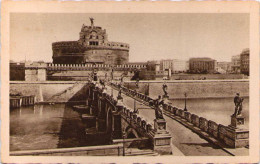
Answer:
(185, 108)
(124, 142)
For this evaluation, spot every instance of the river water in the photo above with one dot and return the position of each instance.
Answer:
(215, 109)
(59, 126)
(46, 127)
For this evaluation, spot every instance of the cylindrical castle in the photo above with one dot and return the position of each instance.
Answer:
(92, 47)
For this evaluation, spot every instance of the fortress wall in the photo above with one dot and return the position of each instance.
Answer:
(197, 89)
(44, 91)
(107, 56)
(73, 52)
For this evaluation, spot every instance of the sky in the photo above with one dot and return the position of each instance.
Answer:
(151, 36)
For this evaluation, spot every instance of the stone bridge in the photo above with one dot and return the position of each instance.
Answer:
(115, 118)
(235, 135)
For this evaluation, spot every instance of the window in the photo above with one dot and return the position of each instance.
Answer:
(93, 43)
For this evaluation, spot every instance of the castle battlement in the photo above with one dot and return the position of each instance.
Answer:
(51, 66)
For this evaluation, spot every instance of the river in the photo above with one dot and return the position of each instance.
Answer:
(46, 127)
(215, 109)
(58, 126)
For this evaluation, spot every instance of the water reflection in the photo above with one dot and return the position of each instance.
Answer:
(49, 126)
(33, 126)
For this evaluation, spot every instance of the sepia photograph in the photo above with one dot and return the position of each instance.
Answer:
(130, 84)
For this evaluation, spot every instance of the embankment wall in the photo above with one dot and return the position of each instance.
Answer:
(48, 91)
(195, 88)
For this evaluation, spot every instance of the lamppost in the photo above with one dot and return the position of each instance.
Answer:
(124, 142)
(185, 108)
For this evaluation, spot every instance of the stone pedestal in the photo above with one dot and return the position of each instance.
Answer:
(237, 135)
(162, 138)
(160, 126)
(237, 121)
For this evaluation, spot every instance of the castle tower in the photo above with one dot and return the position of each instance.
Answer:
(92, 47)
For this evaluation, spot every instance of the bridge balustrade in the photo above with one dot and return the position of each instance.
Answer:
(169, 108)
(138, 121)
(149, 128)
(143, 124)
(218, 131)
(174, 110)
(165, 106)
(135, 118)
(131, 115)
(213, 128)
(187, 116)
(222, 132)
(195, 120)
(127, 112)
(203, 124)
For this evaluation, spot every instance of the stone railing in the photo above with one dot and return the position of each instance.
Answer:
(103, 150)
(140, 123)
(143, 126)
(220, 132)
(105, 47)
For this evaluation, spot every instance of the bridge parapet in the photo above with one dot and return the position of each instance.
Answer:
(231, 136)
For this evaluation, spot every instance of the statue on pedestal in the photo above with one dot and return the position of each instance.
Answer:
(238, 105)
(102, 82)
(158, 108)
(119, 96)
(165, 87)
(137, 83)
(92, 21)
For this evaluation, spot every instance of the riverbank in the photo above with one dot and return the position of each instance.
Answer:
(50, 91)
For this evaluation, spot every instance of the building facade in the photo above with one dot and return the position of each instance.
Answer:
(235, 64)
(17, 71)
(179, 66)
(244, 61)
(202, 65)
(92, 47)
(166, 64)
(224, 67)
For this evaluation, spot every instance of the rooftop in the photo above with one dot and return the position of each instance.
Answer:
(201, 59)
